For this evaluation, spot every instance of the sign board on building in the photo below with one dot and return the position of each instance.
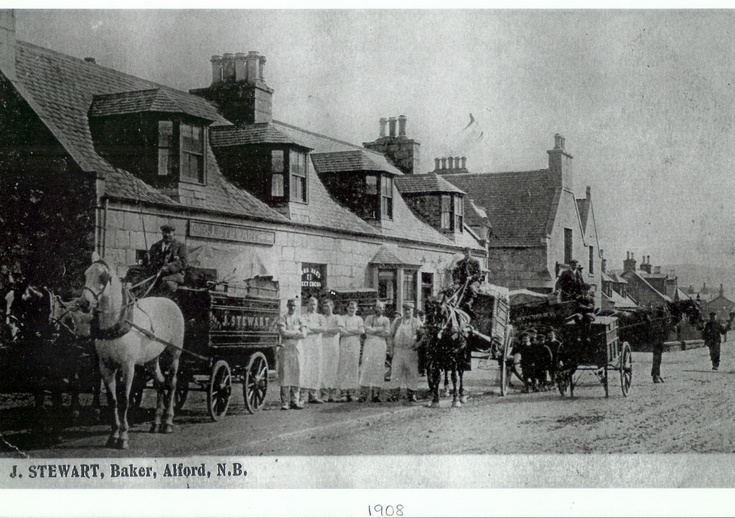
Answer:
(313, 279)
(231, 233)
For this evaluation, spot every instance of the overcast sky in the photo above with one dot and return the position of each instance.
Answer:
(644, 98)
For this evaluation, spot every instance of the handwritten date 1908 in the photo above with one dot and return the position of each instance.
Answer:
(388, 510)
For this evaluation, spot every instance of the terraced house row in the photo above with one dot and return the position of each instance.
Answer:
(117, 156)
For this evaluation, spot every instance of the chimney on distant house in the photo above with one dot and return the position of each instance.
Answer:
(401, 151)
(7, 43)
(629, 263)
(560, 163)
(238, 88)
(646, 264)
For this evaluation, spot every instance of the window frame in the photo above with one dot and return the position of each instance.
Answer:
(446, 216)
(298, 173)
(281, 173)
(185, 153)
(458, 219)
(386, 197)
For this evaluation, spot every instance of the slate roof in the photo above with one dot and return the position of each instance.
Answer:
(242, 135)
(153, 100)
(425, 183)
(345, 161)
(521, 206)
(386, 257)
(61, 89)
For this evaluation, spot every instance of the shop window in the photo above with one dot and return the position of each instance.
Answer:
(387, 286)
(410, 280)
(313, 280)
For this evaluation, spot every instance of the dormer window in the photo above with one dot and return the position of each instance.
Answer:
(452, 216)
(185, 153)
(289, 175)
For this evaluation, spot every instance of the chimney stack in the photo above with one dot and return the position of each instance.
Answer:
(629, 263)
(383, 122)
(401, 125)
(251, 102)
(560, 163)
(589, 193)
(7, 43)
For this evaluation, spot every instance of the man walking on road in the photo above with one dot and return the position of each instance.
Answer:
(711, 335)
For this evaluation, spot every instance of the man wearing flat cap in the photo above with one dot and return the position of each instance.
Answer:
(169, 257)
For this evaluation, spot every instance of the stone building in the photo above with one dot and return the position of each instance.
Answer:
(537, 223)
(249, 195)
(720, 305)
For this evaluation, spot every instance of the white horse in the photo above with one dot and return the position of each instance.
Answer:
(129, 333)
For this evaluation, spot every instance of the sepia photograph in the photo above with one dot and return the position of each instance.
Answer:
(370, 249)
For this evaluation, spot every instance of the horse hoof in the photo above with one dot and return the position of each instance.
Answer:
(433, 404)
(155, 428)
(169, 428)
(456, 404)
(463, 399)
(111, 442)
(446, 393)
(122, 444)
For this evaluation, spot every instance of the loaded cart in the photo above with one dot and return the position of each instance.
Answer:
(231, 334)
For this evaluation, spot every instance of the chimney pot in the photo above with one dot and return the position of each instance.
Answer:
(436, 164)
(228, 67)
(444, 163)
(589, 192)
(450, 162)
(392, 126)
(90, 60)
(261, 69)
(216, 69)
(383, 122)
(401, 125)
(240, 72)
(464, 161)
(252, 63)
(558, 141)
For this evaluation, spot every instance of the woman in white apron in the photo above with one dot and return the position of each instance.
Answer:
(349, 352)
(405, 365)
(311, 366)
(292, 331)
(372, 371)
(330, 352)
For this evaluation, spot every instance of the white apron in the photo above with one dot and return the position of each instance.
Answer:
(349, 355)
(330, 354)
(372, 372)
(405, 365)
(289, 356)
(311, 364)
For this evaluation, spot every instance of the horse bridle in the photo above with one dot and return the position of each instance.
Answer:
(104, 286)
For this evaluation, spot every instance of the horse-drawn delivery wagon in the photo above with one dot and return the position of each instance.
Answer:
(230, 334)
(564, 339)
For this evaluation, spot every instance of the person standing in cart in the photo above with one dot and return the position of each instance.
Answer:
(405, 367)
(330, 352)
(292, 331)
(311, 367)
(348, 370)
(372, 371)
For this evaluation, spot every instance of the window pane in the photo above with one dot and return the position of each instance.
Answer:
(277, 161)
(387, 186)
(409, 286)
(165, 133)
(164, 162)
(277, 185)
(371, 184)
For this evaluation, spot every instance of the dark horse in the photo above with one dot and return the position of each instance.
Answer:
(46, 356)
(445, 341)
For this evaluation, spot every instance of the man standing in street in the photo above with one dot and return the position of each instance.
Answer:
(711, 335)
(169, 257)
(330, 352)
(292, 331)
(311, 365)
(348, 370)
(372, 370)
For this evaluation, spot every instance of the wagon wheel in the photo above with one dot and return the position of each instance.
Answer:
(255, 384)
(220, 390)
(626, 369)
(506, 361)
(182, 390)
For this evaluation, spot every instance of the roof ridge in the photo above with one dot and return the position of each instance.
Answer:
(321, 135)
(493, 173)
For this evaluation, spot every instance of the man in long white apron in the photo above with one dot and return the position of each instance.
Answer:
(311, 367)
(405, 366)
(292, 331)
(348, 370)
(330, 352)
(372, 371)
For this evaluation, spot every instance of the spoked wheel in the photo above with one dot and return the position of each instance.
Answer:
(564, 374)
(220, 390)
(506, 361)
(255, 385)
(182, 390)
(626, 369)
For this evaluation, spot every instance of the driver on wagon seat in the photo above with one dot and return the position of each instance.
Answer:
(169, 257)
